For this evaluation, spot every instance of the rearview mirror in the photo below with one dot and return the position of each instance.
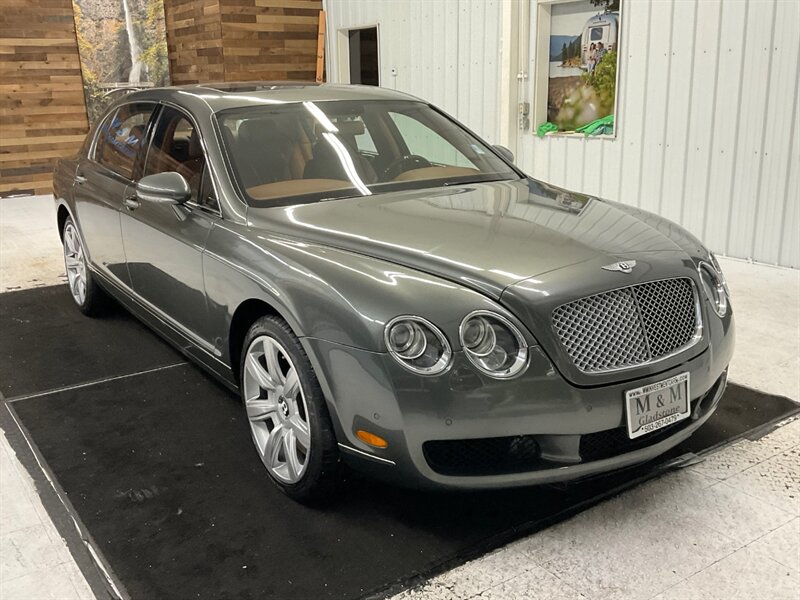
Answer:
(504, 152)
(164, 188)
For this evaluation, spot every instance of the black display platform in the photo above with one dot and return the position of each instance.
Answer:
(159, 469)
(45, 343)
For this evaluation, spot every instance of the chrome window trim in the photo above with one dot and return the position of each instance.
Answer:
(698, 332)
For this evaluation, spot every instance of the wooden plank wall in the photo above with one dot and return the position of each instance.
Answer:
(242, 40)
(270, 39)
(194, 41)
(42, 108)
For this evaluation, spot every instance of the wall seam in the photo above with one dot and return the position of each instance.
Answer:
(737, 119)
(793, 146)
(759, 190)
(688, 117)
(711, 155)
(619, 124)
(644, 104)
(664, 135)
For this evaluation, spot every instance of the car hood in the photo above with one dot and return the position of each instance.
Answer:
(486, 236)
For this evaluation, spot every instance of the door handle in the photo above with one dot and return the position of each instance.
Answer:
(131, 203)
(80, 179)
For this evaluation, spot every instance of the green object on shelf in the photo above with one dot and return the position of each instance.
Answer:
(546, 128)
(604, 126)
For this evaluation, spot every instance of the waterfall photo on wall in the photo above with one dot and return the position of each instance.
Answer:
(582, 79)
(122, 46)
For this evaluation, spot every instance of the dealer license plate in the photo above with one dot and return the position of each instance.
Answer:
(657, 405)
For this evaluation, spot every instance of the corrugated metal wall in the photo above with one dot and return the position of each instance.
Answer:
(707, 118)
(445, 51)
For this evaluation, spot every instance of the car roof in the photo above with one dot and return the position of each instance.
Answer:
(222, 96)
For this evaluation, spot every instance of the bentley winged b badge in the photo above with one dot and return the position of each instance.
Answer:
(625, 266)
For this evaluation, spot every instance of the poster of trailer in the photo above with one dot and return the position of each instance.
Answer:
(122, 46)
(582, 81)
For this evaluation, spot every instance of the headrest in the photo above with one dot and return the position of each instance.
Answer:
(257, 130)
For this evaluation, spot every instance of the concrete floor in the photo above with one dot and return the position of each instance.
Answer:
(727, 528)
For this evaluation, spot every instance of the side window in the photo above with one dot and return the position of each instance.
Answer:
(363, 139)
(121, 138)
(176, 147)
(424, 141)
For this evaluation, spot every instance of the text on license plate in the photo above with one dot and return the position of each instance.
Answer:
(657, 405)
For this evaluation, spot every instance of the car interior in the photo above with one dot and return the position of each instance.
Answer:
(282, 155)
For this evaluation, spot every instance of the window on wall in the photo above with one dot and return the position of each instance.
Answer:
(576, 86)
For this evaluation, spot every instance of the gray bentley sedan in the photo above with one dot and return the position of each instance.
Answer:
(385, 289)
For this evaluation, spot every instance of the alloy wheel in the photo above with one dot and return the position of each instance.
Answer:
(276, 409)
(75, 263)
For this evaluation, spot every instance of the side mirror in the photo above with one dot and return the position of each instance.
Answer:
(504, 152)
(164, 188)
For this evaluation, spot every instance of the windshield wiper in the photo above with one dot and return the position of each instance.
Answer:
(340, 197)
(479, 180)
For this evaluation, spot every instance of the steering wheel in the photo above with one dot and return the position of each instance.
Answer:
(403, 164)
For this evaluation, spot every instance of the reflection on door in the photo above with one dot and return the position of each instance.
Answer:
(364, 56)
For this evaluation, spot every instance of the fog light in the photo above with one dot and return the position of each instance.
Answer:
(371, 439)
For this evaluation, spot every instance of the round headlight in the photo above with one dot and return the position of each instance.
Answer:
(493, 344)
(714, 287)
(418, 345)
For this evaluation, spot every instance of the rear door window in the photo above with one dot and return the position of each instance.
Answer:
(121, 137)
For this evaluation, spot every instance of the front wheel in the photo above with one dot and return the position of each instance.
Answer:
(85, 291)
(288, 417)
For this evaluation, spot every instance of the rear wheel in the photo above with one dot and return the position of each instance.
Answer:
(85, 291)
(288, 417)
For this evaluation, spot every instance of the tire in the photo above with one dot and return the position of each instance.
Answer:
(91, 300)
(286, 410)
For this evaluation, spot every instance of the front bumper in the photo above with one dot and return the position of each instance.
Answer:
(371, 391)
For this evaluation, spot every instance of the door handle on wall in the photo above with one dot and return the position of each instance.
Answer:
(131, 203)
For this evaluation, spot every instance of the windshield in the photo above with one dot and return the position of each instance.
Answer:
(311, 151)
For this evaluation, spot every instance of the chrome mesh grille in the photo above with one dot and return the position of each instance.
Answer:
(629, 326)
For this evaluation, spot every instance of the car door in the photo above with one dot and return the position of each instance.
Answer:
(100, 183)
(163, 242)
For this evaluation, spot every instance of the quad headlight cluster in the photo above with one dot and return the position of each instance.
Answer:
(714, 284)
(492, 343)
